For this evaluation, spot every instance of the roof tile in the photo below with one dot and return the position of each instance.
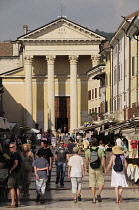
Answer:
(6, 49)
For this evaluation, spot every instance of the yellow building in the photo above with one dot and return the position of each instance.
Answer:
(125, 68)
(48, 83)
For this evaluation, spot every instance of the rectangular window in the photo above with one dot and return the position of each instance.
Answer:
(116, 50)
(125, 67)
(133, 66)
(114, 104)
(121, 72)
(118, 73)
(119, 46)
(118, 102)
(92, 110)
(114, 75)
(99, 92)
(89, 95)
(95, 92)
(95, 110)
(99, 110)
(92, 93)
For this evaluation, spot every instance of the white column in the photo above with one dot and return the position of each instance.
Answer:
(73, 93)
(51, 92)
(28, 91)
(95, 60)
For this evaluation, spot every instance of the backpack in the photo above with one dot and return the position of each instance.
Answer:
(118, 166)
(94, 158)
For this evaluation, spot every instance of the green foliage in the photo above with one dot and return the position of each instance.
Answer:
(108, 35)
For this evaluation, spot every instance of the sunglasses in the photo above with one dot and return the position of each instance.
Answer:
(61, 143)
(11, 147)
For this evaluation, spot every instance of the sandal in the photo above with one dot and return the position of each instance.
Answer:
(17, 204)
(120, 198)
(117, 201)
(75, 200)
(11, 206)
(99, 198)
(79, 198)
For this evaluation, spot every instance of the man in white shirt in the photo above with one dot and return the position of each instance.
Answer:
(39, 137)
(76, 172)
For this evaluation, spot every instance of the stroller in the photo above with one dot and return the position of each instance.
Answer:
(3, 184)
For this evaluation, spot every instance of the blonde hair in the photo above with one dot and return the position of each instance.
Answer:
(27, 145)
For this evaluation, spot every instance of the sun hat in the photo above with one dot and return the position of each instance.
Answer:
(117, 150)
(75, 149)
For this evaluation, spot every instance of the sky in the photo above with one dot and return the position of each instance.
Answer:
(104, 15)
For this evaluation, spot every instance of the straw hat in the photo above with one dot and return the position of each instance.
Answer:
(117, 150)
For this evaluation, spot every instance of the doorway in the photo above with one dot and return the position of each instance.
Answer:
(62, 113)
(62, 123)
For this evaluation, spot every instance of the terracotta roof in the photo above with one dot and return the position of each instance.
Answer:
(132, 15)
(6, 49)
(128, 17)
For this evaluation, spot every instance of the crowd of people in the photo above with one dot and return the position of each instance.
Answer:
(21, 159)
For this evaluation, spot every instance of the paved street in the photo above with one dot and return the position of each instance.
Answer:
(59, 198)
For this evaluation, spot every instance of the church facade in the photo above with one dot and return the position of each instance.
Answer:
(48, 84)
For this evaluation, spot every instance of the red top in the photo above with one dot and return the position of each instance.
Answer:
(134, 144)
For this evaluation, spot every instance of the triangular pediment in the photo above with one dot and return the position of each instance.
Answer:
(62, 29)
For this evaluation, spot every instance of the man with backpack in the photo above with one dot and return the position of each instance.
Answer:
(95, 164)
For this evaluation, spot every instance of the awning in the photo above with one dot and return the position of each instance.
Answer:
(125, 127)
(13, 126)
(32, 130)
(4, 124)
(115, 128)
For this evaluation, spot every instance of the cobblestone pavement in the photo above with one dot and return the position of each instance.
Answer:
(61, 198)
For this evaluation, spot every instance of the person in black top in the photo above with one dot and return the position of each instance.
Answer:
(61, 157)
(13, 180)
(71, 145)
(48, 157)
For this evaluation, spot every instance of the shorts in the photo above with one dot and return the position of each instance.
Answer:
(41, 185)
(134, 151)
(14, 180)
(76, 184)
(96, 176)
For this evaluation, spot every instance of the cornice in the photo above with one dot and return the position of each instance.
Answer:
(42, 76)
(96, 71)
(60, 41)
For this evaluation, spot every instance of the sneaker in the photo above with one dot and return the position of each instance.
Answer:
(38, 198)
(99, 198)
(61, 183)
(79, 198)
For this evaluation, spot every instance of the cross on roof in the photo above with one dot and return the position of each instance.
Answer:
(61, 10)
